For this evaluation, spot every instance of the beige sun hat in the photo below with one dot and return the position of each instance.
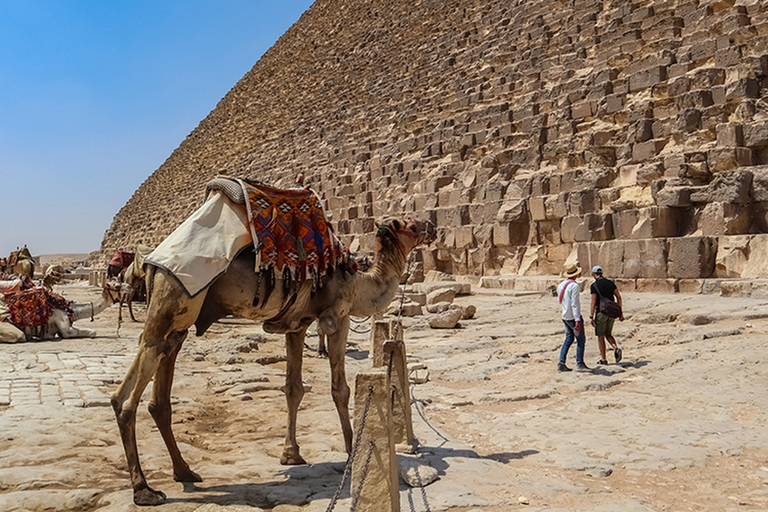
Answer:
(571, 270)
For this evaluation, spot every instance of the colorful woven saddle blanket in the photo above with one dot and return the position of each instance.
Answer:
(32, 308)
(291, 235)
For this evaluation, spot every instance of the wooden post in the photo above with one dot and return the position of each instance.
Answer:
(374, 467)
(379, 335)
(401, 406)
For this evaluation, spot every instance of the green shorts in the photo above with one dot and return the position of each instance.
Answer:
(603, 325)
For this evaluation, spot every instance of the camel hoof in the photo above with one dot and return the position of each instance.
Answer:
(291, 458)
(187, 476)
(148, 497)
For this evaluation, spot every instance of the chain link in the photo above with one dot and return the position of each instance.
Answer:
(355, 446)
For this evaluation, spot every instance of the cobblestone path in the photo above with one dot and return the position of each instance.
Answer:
(66, 378)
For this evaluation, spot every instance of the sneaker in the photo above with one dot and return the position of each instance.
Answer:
(582, 368)
(562, 368)
(602, 361)
(617, 354)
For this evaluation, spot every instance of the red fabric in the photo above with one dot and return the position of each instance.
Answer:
(28, 308)
(122, 259)
(293, 237)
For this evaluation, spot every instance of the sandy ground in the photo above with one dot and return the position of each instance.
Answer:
(680, 424)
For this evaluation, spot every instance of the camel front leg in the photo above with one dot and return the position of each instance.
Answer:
(125, 402)
(294, 392)
(160, 409)
(337, 349)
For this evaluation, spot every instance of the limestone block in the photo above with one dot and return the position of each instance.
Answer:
(568, 227)
(723, 159)
(537, 208)
(655, 222)
(656, 285)
(730, 135)
(459, 261)
(446, 320)
(675, 197)
(643, 151)
(690, 286)
(595, 226)
(736, 289)
(510, 233)
(510, 259)
(717, 219)
(513, 210)
(446, 294)
(581, 202)
(645, 258)
(556, 206)
(759, 189)
(623, 223)
(755, 267)
(463, 237)
(691, 257)
(418, 298)
(549, 231)
(731, 187)
(626, 285)
(529, 264)
(731, 256)
(756, 134)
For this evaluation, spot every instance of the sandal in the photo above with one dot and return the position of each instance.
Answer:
(617, 354)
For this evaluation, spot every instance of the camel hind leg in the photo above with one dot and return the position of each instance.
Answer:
(160, 409)
(294, 392)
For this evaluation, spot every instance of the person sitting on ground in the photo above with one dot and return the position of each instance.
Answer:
(568, 295)
(603, 324)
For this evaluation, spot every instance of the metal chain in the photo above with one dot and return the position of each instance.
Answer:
(356, 494)
(355, 446)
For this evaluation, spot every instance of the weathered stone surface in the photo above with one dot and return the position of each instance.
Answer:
(560, 142)
(441, 295)
(448, 319)
(691, 257)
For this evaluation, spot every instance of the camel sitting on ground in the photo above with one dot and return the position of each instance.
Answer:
(60, 321)
(171, 312)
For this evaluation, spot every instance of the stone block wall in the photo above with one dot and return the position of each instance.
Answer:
(531, 132)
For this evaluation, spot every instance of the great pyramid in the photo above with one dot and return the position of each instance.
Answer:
(633, 134)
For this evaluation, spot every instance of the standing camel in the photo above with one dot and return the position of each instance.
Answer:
(171, 312)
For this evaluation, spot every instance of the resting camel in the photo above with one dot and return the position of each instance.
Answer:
(171, 312)
(60, 322)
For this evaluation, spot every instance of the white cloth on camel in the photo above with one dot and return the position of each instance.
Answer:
(204, 245)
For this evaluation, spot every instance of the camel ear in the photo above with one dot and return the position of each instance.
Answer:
(396, 225)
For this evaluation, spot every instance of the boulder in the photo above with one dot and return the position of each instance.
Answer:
(446, 320)
(441, 295)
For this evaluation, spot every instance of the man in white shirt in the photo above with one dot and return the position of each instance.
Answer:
(568, 295)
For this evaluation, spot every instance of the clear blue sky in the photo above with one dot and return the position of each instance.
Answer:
(96, 94)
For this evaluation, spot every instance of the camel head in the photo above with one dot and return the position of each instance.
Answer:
(113, 290)
(402, 234)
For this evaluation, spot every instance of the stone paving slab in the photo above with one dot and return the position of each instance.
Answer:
(63, 378)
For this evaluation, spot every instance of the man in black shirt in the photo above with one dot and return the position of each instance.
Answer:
(603, 324)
